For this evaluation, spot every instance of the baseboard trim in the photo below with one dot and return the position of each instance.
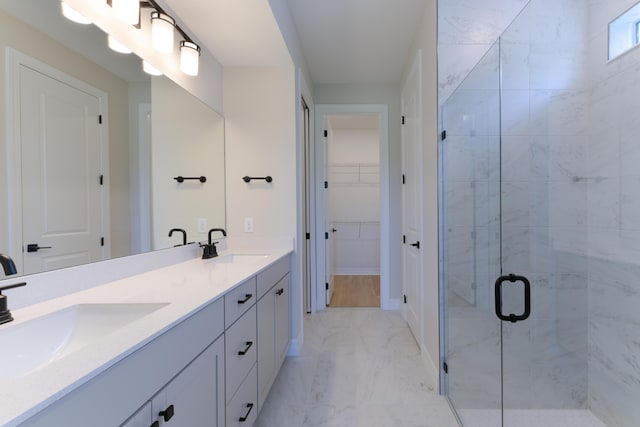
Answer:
(294, 348)
(432, 367)
(357, 272)
(390, 304)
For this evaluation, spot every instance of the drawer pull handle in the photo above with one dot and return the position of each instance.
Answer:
(247, 297)
(280, 291)
(243, 352)
(246, 416)
(167, 414)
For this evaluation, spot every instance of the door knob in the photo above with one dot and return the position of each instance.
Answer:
(34, 247)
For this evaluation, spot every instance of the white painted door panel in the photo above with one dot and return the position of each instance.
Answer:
(61, 191)
(412, 201)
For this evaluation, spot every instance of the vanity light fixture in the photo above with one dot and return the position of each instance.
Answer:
(73, 15)
(126, 10)
(189, 57)
(116, 45)
(162, 26)
(150, 69)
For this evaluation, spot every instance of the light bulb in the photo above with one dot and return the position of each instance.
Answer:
(189, 57)
(72, 14)
(116, 45)
(150, 69)
(126, 10)
(162, 32)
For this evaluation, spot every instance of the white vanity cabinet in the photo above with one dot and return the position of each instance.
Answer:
(273, 313)
(213, 368)
(241, 355)
(193, 398)
(183, 366)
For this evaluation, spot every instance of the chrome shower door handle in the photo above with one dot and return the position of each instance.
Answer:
(512, 278)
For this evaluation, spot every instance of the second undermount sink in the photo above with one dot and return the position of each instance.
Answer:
(29, 346)
(241, 258)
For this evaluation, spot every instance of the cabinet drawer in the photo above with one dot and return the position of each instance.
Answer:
(240, 350)
(242, 411)
(270, 276)
(239, 301)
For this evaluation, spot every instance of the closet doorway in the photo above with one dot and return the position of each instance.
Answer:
(351, 155)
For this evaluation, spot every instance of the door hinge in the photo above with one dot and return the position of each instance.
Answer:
(404, 239)
(308, 236)
(402, 119)
(443, 135)
(99, 119)
(326, 133)
(326, 286)
(101, 179)
(326, 184)
(445, 367)
(405, 299)
(326, 235)
(404, 179)
(102, 241)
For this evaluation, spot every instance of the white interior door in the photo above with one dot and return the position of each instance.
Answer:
(412, 201)
(61, 169)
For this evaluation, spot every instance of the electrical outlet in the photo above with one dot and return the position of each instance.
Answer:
(202, 225)
(248, 225)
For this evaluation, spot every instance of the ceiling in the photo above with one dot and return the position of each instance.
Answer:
(343, 41)
(356, 41)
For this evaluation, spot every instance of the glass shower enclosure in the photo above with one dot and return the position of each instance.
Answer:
(539, 225)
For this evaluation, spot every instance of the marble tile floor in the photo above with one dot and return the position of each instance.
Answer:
(358, 367)
(531, 418)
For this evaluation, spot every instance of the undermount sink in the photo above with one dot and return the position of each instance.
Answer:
(29, 346)
(241, 258)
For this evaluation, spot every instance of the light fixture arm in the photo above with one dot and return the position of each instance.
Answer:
(152, 4)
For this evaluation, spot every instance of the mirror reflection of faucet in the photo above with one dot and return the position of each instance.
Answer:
(8, 265)
(209, 249)
(179, 230)
(9, 268)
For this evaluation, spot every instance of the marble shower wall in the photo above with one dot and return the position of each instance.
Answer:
(466, 31)
(613, 187)
(544, 120)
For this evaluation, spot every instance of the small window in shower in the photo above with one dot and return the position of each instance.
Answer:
(624, 32)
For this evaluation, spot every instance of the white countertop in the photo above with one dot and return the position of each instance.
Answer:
(186, 287)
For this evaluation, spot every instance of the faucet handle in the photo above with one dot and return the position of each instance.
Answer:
(15, 285)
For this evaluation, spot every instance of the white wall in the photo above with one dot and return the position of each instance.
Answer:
(426, 40)
(390, 96)
(188, 141)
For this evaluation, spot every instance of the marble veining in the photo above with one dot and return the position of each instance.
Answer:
(358, 367)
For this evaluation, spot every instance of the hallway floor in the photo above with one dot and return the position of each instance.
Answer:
(359, 367)
(356, 291)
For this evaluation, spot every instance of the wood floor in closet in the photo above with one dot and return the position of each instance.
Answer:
(356, 291)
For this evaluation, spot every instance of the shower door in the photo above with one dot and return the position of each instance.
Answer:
(470, 251)
(514, 229)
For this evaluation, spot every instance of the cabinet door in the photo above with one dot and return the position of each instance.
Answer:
(142, 418)
(282, 316)
(195, 395)
(266, 344)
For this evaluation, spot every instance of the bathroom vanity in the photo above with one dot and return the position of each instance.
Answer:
(192, 344)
